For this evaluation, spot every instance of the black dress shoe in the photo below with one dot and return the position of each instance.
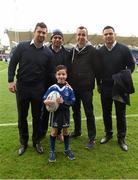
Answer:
(22, 149)
(105, 139)
(39, 148)
(122, 144)
(74, 135)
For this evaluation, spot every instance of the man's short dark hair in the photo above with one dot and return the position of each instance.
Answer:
(108, 27)
(41, 24)
(82, 27)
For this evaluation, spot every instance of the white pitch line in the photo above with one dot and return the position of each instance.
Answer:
(97, 118)
(11, 124)
(3, 70)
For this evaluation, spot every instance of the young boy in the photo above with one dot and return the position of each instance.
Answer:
(61, 117)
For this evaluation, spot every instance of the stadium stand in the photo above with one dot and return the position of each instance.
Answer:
(16, 36)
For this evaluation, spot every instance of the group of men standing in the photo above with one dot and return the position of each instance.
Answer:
(36, 63)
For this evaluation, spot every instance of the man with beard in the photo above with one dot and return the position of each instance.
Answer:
(61, 56)
(34, 62)
(117, 62)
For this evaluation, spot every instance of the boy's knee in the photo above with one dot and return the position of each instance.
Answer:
(65, 132)
(54, 132)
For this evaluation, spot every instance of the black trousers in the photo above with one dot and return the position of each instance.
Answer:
(27, 95)
(44, 120)
(86, 97)
(120, 110)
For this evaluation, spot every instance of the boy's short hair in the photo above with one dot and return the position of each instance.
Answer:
(61, 67)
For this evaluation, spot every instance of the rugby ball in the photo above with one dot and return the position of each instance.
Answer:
(53, 96)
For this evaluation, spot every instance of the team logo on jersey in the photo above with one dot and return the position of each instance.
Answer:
(66, 93)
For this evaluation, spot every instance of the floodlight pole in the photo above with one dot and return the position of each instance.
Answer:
(16, 38)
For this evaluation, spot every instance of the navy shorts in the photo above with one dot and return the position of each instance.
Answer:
(60, 118)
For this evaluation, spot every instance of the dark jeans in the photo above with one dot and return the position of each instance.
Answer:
(86, 98)
(120, 110)
(26, 95)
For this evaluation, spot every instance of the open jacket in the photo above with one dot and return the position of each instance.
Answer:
(85, 67)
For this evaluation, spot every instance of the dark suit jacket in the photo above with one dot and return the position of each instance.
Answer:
(123, 86)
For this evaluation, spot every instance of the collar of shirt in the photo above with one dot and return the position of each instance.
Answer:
(113, 45)
(56, 50)
(32, 42)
